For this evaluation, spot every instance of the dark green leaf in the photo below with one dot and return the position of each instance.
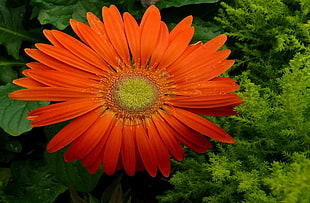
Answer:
(7, 74)
(72, 174)
(177, 3)
(205, 31)
(59, 12)
(31, 182)
(11, 28)
(13, 113)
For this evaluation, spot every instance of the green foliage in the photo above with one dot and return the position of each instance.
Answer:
(279, 27)
(32, 182)
(58, 13)
(13, 113)
(175, 3)
(11, 28)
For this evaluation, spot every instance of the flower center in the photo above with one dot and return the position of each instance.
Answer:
(135, 93)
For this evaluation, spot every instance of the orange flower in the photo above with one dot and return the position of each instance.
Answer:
(133, 90)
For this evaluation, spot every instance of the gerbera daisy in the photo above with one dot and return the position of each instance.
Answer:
(133, 90)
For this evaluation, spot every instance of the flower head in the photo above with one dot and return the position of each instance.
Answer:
(133, 91)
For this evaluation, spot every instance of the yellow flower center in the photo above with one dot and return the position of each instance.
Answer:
(135, 93)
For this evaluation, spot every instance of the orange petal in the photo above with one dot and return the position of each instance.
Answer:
(28, 83)
(168, 137)
(96, 41)
(79, 49)
(150, 28)
(185, 133)
(94, 159)
(133, 34)
(51, 94)
(200, 54)
(215, 43)
(95, 135)
(113, 148)
(220, 111)
(216, 86)
(160, 149)
(114, 26)
(201, 125)
(176, 47)
(129, 149)
(162, 44)
(55, 64)
(58, 79)
(72, 131)
(205, 101)
(206, 73)
(182, 25)
(49, 35)
(97, 25)
(201, 63)
(146, 150)
(68, 58)
(189, 55)
(59, 112)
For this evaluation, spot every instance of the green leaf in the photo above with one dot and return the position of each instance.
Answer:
(205, 31)
(11, 28)
(13, 113)
(59, 12)
(177, 3)
(31, 182)
(7, 74)
(72, 174)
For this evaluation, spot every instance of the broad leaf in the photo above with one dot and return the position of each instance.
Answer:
(59, 12)
(31, 181)
(177, 3)
(7, 74)
(13, 113)
(71, 174)
(205, 31)
(11, 28)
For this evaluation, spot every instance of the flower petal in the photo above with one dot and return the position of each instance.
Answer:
(219, 111)
(216, 86)
(162, 44)
(59, 112)
(128, 150)
(55, 64)
(112, 149)
(72, 131)
(168, 137)
(133, 35)
(67, 57)
(146, 150)
(181, 26)
(28, 83)
(150, 28)
(57, 79)
(205, 101)
(94, 137)
(185, 133)
(176, 47)
(160, 149)
(114, 26)
(51, 94)
(201, 125)
(98, 42)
